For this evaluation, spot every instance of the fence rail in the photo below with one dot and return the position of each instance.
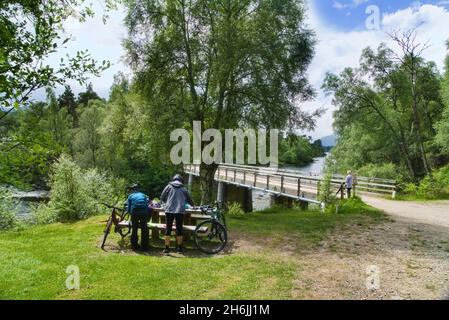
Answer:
(292, 184)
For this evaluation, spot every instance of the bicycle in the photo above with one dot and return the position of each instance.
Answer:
(214, 240)
(118, 215)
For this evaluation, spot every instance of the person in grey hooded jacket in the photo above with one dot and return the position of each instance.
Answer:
(175, 197)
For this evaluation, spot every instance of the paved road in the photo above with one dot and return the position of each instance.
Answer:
(434, 213)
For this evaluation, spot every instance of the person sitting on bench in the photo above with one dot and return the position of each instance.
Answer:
(137, 206)
(175, 197)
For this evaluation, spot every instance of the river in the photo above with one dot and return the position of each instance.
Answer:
(261, 200)
(317, 166)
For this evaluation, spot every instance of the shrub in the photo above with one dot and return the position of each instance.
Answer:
(433, 186)
(326, 194)
(8, 206)
(43, 214)
(235, 210)
(76, 194)
(384, 171)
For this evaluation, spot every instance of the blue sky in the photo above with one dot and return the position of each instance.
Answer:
(350, 14)
(341, 30)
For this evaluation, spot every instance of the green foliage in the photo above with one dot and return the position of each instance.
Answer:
(31, 33)
(383, 125)
(75, 193)
(43, 214)
(235, 210)
(197, 63)
(382, 171)
(299, 150)
(326, 193)
(350, 206)
(8, 218)
(87, 139)
(434, 186)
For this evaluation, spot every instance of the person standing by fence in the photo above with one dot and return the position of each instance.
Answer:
(349, 183)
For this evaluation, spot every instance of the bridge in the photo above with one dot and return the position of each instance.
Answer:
(290, 184)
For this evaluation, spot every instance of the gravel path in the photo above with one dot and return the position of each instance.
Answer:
(434, 213)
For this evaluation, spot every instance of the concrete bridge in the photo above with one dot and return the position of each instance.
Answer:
(236, 182)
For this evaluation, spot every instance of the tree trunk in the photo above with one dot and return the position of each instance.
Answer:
(207, 177)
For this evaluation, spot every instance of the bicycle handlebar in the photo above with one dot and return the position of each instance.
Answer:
(112, 207)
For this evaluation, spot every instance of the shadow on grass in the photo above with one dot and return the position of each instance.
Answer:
(123, 246)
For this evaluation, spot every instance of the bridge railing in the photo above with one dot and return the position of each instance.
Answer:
(290, 183)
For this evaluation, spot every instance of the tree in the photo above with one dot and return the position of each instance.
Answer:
(87, 140)
(31, 32)
(88, 95)
(225, 63)
(378, 106)
(67, 100)
(57, 121)
(442, 127)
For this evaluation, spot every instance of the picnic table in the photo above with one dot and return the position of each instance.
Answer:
(191, 219)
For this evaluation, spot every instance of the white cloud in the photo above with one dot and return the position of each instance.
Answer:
(354, 4)
(339, 49)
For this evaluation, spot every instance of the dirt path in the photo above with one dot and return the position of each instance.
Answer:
(408, 256)
(434, 213)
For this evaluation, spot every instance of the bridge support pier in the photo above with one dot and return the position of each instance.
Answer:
(221, 196)
(241, 195)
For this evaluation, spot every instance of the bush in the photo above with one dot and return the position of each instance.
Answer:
(8, 206)
(433, 186)
(384, 171)
(235, 210)
(75, 194)
(43, 214)
(326, 194)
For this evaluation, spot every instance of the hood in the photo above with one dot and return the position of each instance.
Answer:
(177, 184)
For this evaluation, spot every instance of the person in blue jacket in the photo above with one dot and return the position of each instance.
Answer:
(137, 206)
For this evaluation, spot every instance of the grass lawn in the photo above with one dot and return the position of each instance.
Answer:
(33, 261)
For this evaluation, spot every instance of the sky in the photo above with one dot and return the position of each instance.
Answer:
(343, 29)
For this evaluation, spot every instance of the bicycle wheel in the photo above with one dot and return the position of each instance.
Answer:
(213, 240)
(107, 230)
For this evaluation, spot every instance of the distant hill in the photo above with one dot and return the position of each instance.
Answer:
(329, 141)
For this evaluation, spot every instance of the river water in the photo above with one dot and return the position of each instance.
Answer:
(261, 200)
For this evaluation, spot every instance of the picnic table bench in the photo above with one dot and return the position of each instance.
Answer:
(157, 222)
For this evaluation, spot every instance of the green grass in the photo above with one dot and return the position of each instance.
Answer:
(33, 261)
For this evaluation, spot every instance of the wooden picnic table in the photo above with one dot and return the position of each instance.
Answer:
(191, 218)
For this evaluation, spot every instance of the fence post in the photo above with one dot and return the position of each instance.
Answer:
(282, 184)
(299, 187)
(255, 179)
(342, 191)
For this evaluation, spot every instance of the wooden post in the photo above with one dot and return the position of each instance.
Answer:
(255, 179)
(342, 191)
(282, 184)
(318, 186)
(268, 182)
(299, 187)
(244, 176)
